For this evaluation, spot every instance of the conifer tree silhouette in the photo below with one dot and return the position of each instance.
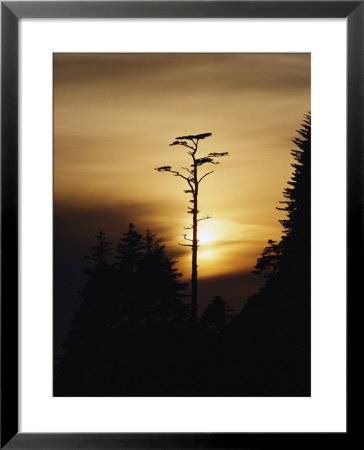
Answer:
(148, 283)
(217, 314)
(268, 263)
(275, 323)
(128, 255)
(89, 337)
(193, 179)
(96, 311)
(161, 286)
(296, 226)
(132, 297)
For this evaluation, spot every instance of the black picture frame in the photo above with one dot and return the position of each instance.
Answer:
(11, 12)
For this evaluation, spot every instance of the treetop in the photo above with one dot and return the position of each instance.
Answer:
(196, 136)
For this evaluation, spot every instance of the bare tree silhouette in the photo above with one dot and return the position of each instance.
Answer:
(193, 179)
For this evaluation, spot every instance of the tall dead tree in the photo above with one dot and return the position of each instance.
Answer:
(193, 179)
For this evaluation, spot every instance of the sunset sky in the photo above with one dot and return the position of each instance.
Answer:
(114, 118)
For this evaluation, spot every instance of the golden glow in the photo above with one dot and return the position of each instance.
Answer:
(205, 237)
(206, 254)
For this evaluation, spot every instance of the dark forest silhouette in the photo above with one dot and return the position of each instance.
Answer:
(132, 334)
(274, 328)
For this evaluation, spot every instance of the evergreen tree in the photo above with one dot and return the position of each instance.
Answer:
(96, 312)
(274, 326)
(268, 263)
(89, 339)
(128, 282)
(292, 248)
(297, 205)
(129, 250)
(162, 290)
(216, 314)
(147, 281)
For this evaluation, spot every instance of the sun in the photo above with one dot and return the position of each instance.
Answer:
(205, 236)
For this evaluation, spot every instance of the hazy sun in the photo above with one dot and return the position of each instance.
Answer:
(205, 236)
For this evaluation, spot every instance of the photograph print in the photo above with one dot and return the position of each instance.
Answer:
(182, 225)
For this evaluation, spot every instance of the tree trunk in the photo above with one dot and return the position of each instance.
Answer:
(194, 265)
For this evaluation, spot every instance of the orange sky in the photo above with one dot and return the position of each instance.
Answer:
(115, 116)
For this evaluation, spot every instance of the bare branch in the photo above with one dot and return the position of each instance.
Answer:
(203, 218)
(191, 186)
(178, 174)
(184, 143)
(188, 170)
(203, 176)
